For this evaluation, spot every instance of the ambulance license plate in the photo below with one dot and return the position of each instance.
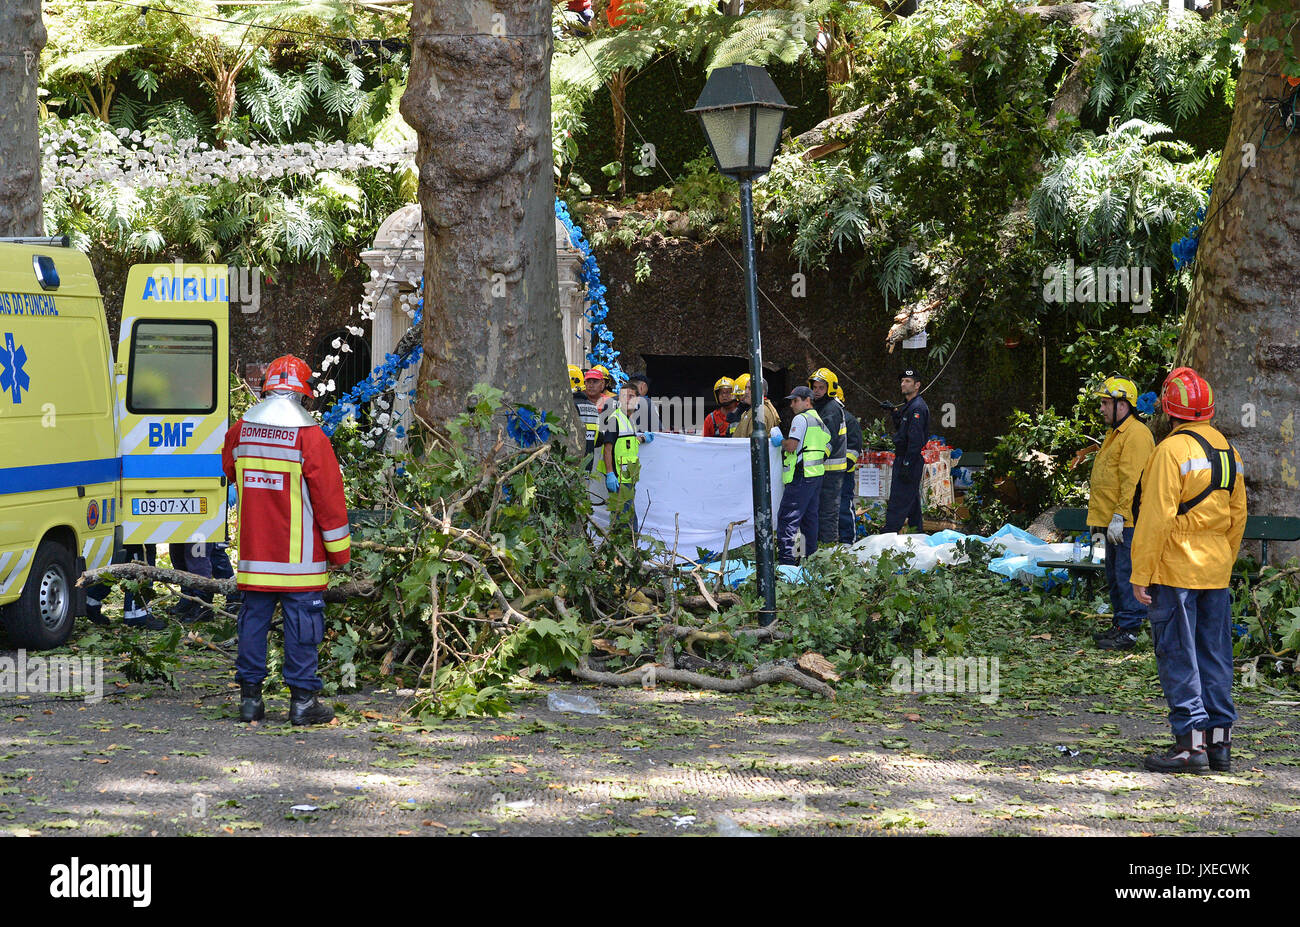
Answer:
(170, 505)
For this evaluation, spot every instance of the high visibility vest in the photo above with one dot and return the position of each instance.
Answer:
(627, 450)
(812, 452)
(589, 416)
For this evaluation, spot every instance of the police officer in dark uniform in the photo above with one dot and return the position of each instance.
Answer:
(911, 429)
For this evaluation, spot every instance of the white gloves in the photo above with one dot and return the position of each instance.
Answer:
(1115, 530)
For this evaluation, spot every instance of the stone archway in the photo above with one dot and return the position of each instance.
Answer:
(396, 262)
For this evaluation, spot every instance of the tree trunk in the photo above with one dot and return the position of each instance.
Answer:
(481, 106)
(224, 96)
(618, 100)
(22, 36)
(1241, 331)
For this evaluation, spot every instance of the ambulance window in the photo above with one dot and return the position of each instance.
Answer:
(173, 367)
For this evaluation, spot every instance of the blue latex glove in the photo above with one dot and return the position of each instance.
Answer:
(647, 437)
(776, 440)
(611, 482)
(232, 496)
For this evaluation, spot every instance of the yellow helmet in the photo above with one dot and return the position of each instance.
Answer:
(742, 383)
(724, 383)
(827, 376)
(1119, 388)
(605, 370)
(836, 391)
(575, 376)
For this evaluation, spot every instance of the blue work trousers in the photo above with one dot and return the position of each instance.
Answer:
(1192, 631)
(1128, 613)
(133, 608)
(193, 558)
(304, 628)
(800, 508)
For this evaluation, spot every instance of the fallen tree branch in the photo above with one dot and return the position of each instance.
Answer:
(227, 587)
(762, 675)
(704, 591)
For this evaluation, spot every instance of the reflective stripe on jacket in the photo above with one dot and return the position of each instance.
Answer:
(293, 517)
(1196, 550)
(811, 452)
(590, 416)
(854, 449)
(1116, 470)
(627, 449)
(831, 412)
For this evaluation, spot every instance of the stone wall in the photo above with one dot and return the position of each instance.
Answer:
(692, 304)
(296, 313)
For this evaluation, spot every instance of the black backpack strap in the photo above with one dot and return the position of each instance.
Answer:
(1223, 471)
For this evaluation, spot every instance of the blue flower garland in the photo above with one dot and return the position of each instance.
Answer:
(602, 339)
(381, 380)
(1184, 249)
(526, 428)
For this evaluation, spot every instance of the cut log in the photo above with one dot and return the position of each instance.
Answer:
(340, 593)
(762, 675)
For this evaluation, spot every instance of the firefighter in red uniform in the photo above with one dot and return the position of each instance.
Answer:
(293, 525)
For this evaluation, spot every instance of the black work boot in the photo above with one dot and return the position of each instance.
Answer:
(1218, 748)
(304, 708)
(1119, 639)
(1186, 755)
(198, 612)
(148, 622)
(251, 706)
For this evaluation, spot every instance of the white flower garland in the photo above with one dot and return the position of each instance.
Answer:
(77, 156)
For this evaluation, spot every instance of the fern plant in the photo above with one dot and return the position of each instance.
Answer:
(1115, 198)
(1146, 61)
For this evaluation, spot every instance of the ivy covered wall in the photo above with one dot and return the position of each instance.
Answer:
(657, 98)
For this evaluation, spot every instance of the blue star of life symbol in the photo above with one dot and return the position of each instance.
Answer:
(13, 378)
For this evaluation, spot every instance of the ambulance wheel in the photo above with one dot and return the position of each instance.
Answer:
(42, 617)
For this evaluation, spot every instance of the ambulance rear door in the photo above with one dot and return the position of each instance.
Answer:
(172, 376)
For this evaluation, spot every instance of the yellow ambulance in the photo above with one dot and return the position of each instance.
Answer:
(97, 453)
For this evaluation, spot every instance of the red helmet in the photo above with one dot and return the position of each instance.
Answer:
(1185, 395)
(287, 373)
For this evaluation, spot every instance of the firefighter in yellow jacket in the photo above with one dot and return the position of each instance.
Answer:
(1115, 473)
(1192, 516)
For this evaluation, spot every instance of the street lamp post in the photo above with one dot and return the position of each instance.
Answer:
(742, 113)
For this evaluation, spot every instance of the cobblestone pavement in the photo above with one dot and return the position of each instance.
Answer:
(152, 761)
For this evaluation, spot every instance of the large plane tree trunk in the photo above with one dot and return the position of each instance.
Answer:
(22, 36)
(479, 98)
(1243, 321)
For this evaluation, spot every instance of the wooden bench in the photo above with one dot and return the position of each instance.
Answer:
(1262, 528)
